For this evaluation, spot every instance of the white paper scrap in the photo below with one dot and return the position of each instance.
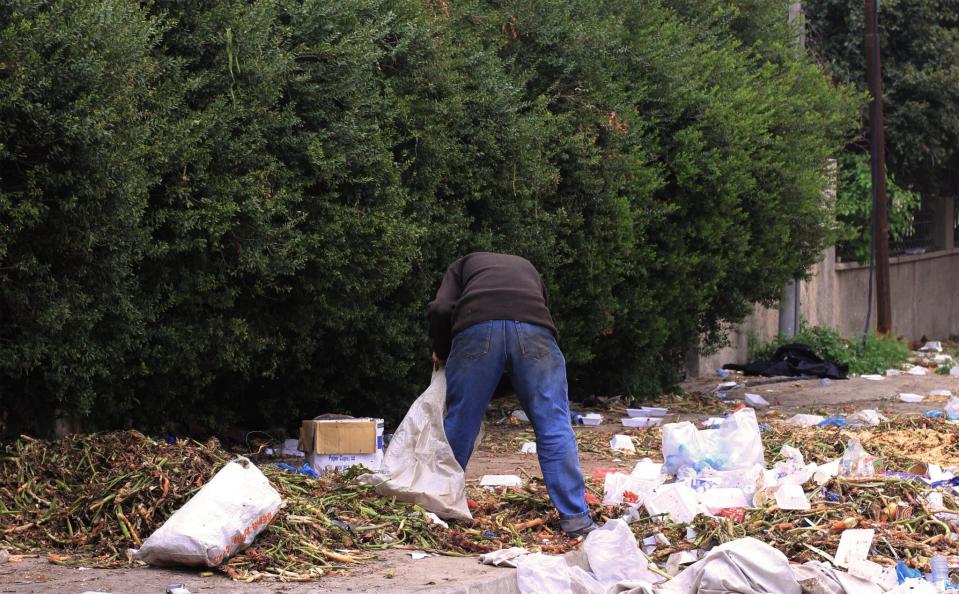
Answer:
(756, 400)
(417, 555)
(790, 496)
(528, 447)
(854, 546)
(872, 376)
(917, 370)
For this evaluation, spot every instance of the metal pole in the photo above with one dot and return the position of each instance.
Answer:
(877, 145)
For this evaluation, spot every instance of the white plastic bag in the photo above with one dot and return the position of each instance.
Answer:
(735, 445)
(746, 566)
(222, 518)
(614, 555)
(952, 408)
(539, 573)
(419, 466)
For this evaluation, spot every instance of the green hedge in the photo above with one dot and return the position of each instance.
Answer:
(224, 212)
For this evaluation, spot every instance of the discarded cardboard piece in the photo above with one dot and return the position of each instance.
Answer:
(341, 436)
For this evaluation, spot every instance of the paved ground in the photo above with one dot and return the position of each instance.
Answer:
(395, 571)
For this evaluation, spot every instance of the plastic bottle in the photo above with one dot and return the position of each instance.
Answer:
(939, 567)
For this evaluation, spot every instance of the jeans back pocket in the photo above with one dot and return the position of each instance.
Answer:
(473, 342)
(535, 341)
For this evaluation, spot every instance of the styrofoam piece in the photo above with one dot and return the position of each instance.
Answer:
(675, 500)
(622, 443)
(528, 447)
(642, 422)
(715, 500)
(501, 480)
(647, 411)
(803, 420)
(520, 415)
(946, 393)
(912, 398)
(872, 376)
(854, 546)
(917, 370)
(933, 346)
(648, 470)
(592, 419)
(893, 372)
(791, 496)
(756, 400)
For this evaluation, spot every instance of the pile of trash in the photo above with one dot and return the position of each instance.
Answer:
(852, 523)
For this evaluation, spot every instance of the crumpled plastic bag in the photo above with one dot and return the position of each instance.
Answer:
(744, 566)
(419, 466)
(503, 557)
(736, 444)
(614, 555)
(221, 519)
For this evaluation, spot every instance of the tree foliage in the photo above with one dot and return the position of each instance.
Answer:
(234, 212)
(919, 44)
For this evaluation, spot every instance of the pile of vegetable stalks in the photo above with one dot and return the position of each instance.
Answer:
(86, 500)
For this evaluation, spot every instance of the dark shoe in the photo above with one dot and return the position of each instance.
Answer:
(576, 527)
(582, 531)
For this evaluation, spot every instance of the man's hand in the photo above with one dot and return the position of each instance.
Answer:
(437, 362)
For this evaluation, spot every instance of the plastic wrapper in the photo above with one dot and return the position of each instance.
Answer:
(856, 462)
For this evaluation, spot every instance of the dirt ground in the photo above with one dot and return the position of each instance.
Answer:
(396, 571)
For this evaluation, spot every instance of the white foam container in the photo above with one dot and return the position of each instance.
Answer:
(647, 411)
(642, 422)
(592, 419)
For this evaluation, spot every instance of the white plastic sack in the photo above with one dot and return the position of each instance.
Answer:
(736, 444)
(419, 466)
(744, 566)
(538, 573)
(222, 518)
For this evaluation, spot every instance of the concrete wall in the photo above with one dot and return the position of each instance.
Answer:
(925, 301)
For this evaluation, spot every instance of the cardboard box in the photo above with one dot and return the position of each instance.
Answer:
(342, 436)
(323, 463)
(341, 443)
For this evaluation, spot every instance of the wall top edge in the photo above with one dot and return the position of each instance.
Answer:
(902, 259)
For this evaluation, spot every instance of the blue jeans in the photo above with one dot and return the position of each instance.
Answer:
(529, 353)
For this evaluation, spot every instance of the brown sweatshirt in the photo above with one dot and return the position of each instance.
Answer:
(485, 286)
